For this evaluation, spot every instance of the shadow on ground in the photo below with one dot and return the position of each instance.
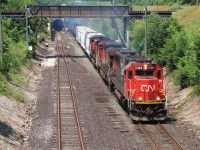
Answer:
(6, 130)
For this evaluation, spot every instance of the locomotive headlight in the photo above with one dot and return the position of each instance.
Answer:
(140, 98)
(157, 98)
(145, 66)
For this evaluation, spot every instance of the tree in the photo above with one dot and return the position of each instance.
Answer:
(53, 2)
(16, 4)
(173, 50)
(136, 36)
(158, 32)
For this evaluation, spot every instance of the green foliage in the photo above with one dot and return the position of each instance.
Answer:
(175, 7)
(116, 2)
(196, 89)
(195, 46)
(136, 36)
(2, 85)
(191, 2)
(15, 55)
(157, 2)
(10, 90)
(188, 67)
(187, 75)
(14, 92)
(173, 50)
(104, 26)
(54, 2)
(171, 46)
(16, 4)
(158, 32)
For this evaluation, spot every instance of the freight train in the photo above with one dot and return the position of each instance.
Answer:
(137, 79)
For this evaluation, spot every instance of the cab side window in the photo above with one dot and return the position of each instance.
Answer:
(130, 74)
(159, 74)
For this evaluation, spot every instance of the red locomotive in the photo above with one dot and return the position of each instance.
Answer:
(137, 79)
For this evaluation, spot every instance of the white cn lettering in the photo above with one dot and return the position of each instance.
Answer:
(148, 88)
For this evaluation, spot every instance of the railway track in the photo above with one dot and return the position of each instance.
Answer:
(69, 134)
(159, 137)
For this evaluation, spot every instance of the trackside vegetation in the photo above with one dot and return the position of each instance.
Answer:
(173, 45)
(15, 54)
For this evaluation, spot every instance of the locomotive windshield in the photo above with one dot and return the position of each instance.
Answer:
(101, 47)
(144, 73)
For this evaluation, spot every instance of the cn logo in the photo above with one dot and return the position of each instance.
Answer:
(148, 88)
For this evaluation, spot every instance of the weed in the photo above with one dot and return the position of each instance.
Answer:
(175, 7)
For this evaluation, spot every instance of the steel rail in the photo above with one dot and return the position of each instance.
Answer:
(178, 145)
(74, 102)
(58, 104)
(152, 141)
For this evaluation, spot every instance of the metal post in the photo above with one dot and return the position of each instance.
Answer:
(1, 37)
(145, 40)
(39, 24)
(117, 29)
(27, 39)
(126, 38)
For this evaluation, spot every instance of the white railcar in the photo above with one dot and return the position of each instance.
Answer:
(87, 43)
(81, 33)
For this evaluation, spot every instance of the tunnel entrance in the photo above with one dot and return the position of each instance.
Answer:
(58, 25)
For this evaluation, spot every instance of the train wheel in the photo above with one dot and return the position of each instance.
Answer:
(98, 69)
(111, 87)
(106, 79)
(125, 105)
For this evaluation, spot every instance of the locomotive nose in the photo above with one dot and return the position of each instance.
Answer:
(148, 89)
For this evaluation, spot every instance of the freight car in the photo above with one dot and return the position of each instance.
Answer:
(137, 79)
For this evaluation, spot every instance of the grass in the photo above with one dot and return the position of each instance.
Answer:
(175, 7)
(189, 17)
(85, 3)
(12, 87)
(195, 91)
(151, 8)
(20, 79)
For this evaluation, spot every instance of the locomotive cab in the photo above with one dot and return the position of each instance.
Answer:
(143, 88)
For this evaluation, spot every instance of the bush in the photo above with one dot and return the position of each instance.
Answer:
(175, 7)
(181, 78)
(173, 50)
(2, 85)
(196, 90)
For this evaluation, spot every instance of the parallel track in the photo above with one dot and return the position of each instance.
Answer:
(69, 135)
(165, 139)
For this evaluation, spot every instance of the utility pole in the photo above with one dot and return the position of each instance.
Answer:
(26, 14)
(145, 39)
(1, 37)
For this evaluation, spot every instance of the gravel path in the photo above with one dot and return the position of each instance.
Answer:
(41, 131)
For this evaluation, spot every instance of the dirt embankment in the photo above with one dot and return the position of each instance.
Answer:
(181, 105)
(14, 116)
